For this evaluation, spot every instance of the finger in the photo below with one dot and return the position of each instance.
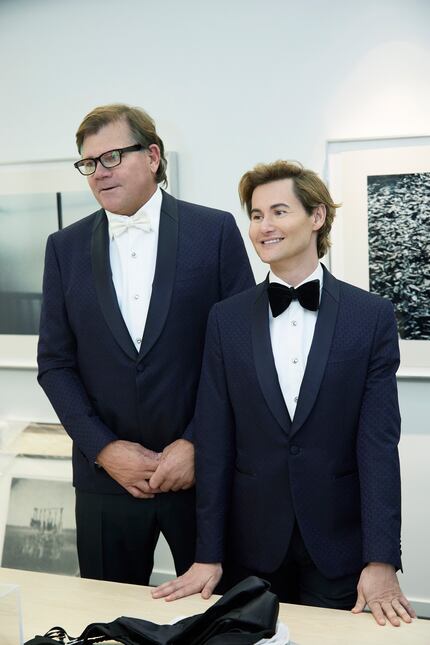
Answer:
(150, 454)
(407, 605)
(185, 590)
(183, 484)
(391, 614)
(166, 485)
(209, 587)
(401, 611)
(360, 604)
(138, 493)
(185, 585)
(144, 487)
(157, 478)
(377, 612)
(176, 589)
(146, 474)
(174, 485)
(163, 590)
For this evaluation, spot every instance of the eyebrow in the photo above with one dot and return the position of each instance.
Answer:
(272, 208)
(278, 206)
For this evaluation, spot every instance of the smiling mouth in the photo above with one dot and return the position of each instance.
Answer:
(274, 240)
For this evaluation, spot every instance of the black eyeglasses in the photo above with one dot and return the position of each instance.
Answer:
(108, 159)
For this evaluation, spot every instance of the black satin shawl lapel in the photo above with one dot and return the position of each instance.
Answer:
(319, 351)
(165, 271)
(263, 358)
(104, 285)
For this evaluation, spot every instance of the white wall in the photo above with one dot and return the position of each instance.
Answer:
(229, 84)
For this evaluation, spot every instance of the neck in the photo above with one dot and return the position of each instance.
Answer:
(292, 273)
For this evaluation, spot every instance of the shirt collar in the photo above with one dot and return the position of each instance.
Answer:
(318, 274)
(152, 209)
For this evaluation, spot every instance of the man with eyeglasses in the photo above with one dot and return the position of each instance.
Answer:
(126, 297)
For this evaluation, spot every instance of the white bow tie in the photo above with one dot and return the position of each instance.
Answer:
(140, 220)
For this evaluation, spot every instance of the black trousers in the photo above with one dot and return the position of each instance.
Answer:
(117, 534)
(298, 580)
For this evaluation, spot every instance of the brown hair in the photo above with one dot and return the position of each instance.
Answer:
(308, 188)
(140, 123)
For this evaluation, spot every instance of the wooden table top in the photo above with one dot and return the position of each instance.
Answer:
(73, 603)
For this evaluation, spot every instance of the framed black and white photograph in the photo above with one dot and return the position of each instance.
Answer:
(381, 234)
(40, 531)
(37, 501)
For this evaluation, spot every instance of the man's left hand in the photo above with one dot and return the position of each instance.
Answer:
(175, 470)
(379, 588)
(199, 577)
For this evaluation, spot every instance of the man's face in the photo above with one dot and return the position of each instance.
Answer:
(124, 188)
(282, 232)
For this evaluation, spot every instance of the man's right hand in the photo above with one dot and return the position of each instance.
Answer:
(199, 577)
(131, 465)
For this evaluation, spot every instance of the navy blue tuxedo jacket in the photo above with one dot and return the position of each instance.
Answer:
(334, 469)
(100, 386)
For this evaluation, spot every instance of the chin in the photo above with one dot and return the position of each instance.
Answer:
(268, 259)
(111, 207)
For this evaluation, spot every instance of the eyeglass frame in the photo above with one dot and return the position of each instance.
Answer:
(78, 164)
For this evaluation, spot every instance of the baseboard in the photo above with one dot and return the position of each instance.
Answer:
(422, 607)
(158, 577)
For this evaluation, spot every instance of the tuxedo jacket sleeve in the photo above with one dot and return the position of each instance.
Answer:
(59, 372)
(377, 440)
(100, 386)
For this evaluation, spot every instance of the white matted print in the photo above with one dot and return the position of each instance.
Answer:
(37, 523)
(381, 235)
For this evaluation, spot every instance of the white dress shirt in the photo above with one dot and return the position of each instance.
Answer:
(291, 335)
(133, 256)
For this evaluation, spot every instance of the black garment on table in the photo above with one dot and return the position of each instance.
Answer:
(245, 614)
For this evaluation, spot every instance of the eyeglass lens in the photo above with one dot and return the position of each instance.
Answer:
(108, 160)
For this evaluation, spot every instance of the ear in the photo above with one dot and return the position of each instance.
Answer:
(319, 216)
(154, 157)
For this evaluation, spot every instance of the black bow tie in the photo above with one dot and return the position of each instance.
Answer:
(280, 296)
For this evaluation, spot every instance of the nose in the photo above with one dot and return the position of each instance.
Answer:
(266, 224)
(101, 171)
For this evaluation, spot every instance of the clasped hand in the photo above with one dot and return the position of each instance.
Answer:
(143, 472)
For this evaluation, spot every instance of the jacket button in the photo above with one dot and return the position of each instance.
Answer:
(295, 450)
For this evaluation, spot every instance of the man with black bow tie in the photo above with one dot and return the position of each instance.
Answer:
(297, 420)
(126, 296)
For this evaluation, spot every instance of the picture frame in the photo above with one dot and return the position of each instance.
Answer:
(37, 523)
(57, 178)
(378, 241)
